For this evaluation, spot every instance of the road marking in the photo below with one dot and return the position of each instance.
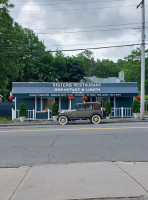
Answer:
(73, 129)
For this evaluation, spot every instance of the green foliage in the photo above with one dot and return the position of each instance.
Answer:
(147, 107)
(106, 68)
(22, 110)
(19, 48)
(136, 106)
(67, 69)
(5, 119)
(146, 97)
(87, 58)
(75, 69)
(55, 109)
(131, 65)
(108, 107)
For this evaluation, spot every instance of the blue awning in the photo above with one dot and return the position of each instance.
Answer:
(74, 89)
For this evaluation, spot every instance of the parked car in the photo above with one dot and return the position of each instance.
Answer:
(83, 111)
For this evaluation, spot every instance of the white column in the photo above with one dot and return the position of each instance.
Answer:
(35, 108)
(59, 104)
(114, 106)
(13, 114)
(15, 103)
(33, 114)
(122, 112)
(69, 104)
(41, 103)
(48, 114)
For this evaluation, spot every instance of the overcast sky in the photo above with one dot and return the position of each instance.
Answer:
(80, 24)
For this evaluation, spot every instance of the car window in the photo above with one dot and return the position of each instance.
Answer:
(80, 107)
(89, 107)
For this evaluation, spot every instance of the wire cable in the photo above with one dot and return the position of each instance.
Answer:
(74, 9)
(56, 45)
(66, 3)
(85, 31)
(83, 27)
(104, 1)
(74, 32)
(71, 50)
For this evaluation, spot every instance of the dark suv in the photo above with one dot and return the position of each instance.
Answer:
(88, 110)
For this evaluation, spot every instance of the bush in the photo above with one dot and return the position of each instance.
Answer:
(55, 109)
(108, 107)
(22, 110)
(136, 106)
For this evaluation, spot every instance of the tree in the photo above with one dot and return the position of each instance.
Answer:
(75, 69)
(19, 49)
(31, 49)
(22, 110)
(136, 106)
(68, 69)
(42, 69)
(131, 65)
(60, 69)
(87, 57)
(108, 107)
(55, 109)
(107, 68)
(6, 28)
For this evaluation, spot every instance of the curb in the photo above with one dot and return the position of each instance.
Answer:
(80, 122)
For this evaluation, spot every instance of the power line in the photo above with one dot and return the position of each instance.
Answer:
(83, 27)
(63, 3)
(85, 31)
(74, 9)
(72, 32)
(71, 50)
(56, 45)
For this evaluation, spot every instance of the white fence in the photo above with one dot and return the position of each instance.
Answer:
(121, 112)
(30, 115)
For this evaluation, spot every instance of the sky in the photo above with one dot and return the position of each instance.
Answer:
(82, 24)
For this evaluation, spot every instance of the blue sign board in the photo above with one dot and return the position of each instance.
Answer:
(74, 89)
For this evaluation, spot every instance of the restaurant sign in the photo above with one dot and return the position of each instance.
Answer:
(76, 87)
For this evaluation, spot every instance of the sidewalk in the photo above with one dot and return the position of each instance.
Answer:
(45, 122)
(75, 181)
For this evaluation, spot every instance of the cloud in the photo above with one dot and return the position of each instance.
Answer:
(91, 25)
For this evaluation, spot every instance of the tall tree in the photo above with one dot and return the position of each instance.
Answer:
(19, 48)
(87, 57)
(6, 28)
(75, 68)
(131, 65)
(107, 68)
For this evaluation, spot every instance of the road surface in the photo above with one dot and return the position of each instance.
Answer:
(73, 143)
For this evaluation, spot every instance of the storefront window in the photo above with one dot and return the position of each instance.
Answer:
(102, 100)
(47, 103)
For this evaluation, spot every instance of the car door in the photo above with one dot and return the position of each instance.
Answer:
(79, 112)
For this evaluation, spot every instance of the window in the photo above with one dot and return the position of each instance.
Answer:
(89, 107)
(102, 100)
(80, 107)
(47, 103)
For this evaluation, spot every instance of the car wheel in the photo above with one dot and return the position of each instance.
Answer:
(95, 119)
(63, 120)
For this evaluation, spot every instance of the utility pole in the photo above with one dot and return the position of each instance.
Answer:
(142, 112)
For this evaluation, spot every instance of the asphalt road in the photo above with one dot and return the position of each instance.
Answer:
(21, 146)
